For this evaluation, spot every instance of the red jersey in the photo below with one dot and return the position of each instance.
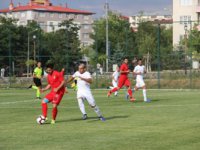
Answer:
(55, 79)
(124, 67)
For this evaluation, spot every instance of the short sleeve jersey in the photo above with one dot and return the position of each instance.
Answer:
(124, 67)
(138, 69)
(38, 72)
(81, 84)
(55, 79)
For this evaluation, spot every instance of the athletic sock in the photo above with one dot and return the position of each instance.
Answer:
(38, 92)
(34, 87)
(54, 113)
(97, 111)
(44, 109)
(145, 94)
(130, 93)
(114, 90)
(81, 106)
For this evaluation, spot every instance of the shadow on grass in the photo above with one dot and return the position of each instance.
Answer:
(90, 119)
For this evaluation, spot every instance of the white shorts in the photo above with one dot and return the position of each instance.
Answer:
(88, 96)
(140, 83)
(114, 84)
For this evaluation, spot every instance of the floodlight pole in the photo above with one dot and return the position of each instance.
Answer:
(107, 39)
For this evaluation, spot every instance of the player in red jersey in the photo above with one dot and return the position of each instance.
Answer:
(56, 83)
(123, 80)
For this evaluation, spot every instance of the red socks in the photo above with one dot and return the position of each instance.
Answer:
(44, 109)
(113, 90)
(54, 113)
(130, 93)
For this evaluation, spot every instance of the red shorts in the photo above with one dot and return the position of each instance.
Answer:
(54, 98)
(123, 81)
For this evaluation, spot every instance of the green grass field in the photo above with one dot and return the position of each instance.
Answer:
(170, 122)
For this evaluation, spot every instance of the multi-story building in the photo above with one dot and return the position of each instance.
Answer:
(164, 19)
(49, 16)
(185, 14)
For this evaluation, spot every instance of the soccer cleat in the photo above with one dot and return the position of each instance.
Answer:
(29, 87)
(46, 119)
(109, 93)
(126, 96)
(53, 121)
(38, 98)
(132, 99)
(148, 100)
(84, 117)
(102, 118)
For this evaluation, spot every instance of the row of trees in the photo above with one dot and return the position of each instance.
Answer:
(62, 47)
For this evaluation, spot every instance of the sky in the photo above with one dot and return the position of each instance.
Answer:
(125, 7)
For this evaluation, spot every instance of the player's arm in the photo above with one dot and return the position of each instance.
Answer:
(89, 80)
(70, 79)
(60, 86)
(46, 88)
(122, 70)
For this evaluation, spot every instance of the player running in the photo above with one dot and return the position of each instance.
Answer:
(37, 75)
(56, 83)
(139, 71)
(115, 78)
(123, 80)
(84, 80)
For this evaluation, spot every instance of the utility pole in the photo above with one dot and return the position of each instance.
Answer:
(107, 39)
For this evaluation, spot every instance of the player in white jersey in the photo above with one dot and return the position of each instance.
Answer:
(139, 71)
(115, 77)
(84, 80)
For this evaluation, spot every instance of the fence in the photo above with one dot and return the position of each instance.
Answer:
(167, 68)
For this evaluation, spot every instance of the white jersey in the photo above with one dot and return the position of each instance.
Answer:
(81, 84)
(140, 69)
(115, 76)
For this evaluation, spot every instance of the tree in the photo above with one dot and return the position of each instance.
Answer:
(121, 37)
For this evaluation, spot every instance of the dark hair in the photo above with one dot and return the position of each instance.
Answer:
(50, 65)
(140, 59)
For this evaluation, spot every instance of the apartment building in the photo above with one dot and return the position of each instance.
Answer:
(49, 16)
(186, 13)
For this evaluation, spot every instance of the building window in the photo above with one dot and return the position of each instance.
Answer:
(52, 15)
(186, 2)
(42, 25)
(86, 35)
(42, 14)
(185, 19)
(86, 17)
(23, 14)
(60, 15)
(86, 26)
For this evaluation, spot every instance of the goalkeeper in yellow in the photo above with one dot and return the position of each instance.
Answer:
(37, 76)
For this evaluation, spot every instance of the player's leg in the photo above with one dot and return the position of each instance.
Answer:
(56, 101)
(93, 105)
(82, 107)
(129, 90)
(115, 85)
(120, 85)
(45, 101)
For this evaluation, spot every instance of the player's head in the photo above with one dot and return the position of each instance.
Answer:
(140, 62)
(49, 68)
(82, 68)
(39, 64)
(126, 60)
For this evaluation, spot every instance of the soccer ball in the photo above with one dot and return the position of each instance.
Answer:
(40, 120)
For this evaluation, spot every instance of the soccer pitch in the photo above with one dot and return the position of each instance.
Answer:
(170, 122)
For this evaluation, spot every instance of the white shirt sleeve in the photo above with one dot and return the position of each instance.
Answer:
(88, 75)
(135, 69)
(75, 74)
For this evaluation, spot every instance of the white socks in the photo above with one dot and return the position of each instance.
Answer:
(96, 109)
(81, 105)
(145, 94)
